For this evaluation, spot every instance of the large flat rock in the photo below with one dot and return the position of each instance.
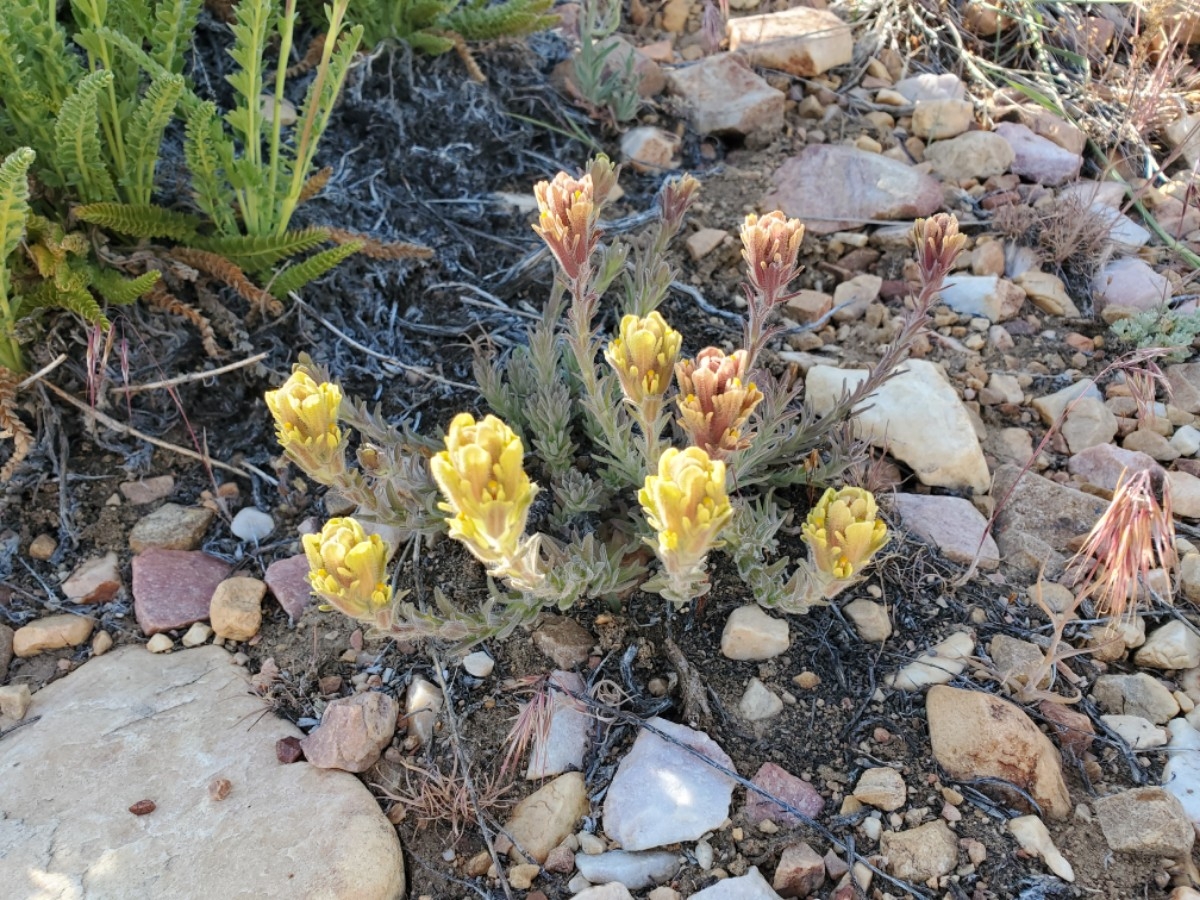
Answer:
(132, 726)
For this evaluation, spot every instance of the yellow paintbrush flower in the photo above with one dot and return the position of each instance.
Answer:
(481, 474)
(306, 423)
(348, 568)
(643, 356)
(843, 532)
(687, 506)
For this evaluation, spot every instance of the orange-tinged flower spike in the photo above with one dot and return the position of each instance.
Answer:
(771, 248)
(843, 532)
(306, 423)
(643, 356)
(481, 474)
(714, 400)
(687, 506)
(567, 220)
(348, 568)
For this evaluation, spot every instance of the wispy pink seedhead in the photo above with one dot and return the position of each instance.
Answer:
(1135, 536)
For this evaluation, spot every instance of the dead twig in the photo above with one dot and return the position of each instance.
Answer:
(194, 376)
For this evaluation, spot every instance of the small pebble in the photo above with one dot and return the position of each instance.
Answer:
(287, 750)
(143, 808)
(219, 788)
(42, 547)
(251, 524)
(196, 635)
(101, 643)
(160, 643)
(478, 664)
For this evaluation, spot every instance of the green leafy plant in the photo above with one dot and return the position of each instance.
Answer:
(599, 81)
(1163, 327)
(604, 426)
(437, 26)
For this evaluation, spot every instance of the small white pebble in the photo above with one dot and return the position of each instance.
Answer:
(251, 524)
(479, 664)
(196, 635)
(704, 855)
(160, 643)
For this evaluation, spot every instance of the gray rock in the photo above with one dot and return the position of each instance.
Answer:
(750, 633)
(661, 794)
(870, 619)
(634, 870)
(251, 524)
(1145, 820)
(1129, 282)
(1037, 158)
(751, 886)
(758, 703)
(1184, 379)
(162, 728)
(1041, 508)
(1088, 424)
(1173, 646)
(570, 733)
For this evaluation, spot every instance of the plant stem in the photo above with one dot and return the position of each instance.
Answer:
(287, 25)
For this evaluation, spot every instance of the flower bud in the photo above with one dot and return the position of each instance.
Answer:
(843, 532)
(348, 568)
(481, 475)
(567, 219)
(643, 356)
(771, 248)
(306, 423)
(714, 403)
(686, 505)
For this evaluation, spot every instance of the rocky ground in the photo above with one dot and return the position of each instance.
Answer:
(178, 719)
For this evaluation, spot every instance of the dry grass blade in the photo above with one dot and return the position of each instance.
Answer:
(378, 249)
(433, 797)
(11, 425)
(532, 723)
(1135, 536)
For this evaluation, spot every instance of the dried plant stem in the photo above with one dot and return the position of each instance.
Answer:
(43, 372)
(109, 422)
(456, 743)
(194, 376)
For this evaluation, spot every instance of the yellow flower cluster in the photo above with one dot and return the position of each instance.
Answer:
(481, 474)
(843, 532)
(687, 506)
(643, 355)
(348, 568)
(306, 423)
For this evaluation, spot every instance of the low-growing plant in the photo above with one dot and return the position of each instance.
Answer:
(603, 435)
(601, 83)
(1173, 331)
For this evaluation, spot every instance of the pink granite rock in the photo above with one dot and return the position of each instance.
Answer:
(287, 580)
(96, 581)
(779, 782)
(834, 187)
(1103, 464)
(952, 524)
(1037, 158)
(723, 95)
(173, 588)
(353, 732)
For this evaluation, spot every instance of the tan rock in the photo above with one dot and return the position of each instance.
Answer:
(722, 95)
(353, 732)
(96, 581)
(800, 41)
(14, 701)
(705, 241)
(800, 873)
(1047, 292)
(976, 735)
(42, 547)
(1031, 833)
(650, 149)
(540, 822)
(52, 633)
(750, 633)
(919, 854)
(881, 787)
(938, 119)
(236, 608)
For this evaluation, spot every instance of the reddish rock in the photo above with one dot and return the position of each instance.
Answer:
(143, 808)
(353, 732)
(780, 783)
(173, 588)
(96, 581)
(1101, 465)
(1073, 729)
(288, 750)
(832, 187)
(287, 580)
(801, 871)
(147, 490)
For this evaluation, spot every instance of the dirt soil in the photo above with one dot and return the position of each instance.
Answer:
(420, 153)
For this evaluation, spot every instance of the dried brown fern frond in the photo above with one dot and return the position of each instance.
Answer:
(230, 274)
(160, 298)
(378, 249)
(316, 182)
(312, 56)
(222, 10)
(11, 425)
(464, 53)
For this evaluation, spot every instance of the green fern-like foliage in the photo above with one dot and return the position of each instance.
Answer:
(140, 220)
(14, 208)
(261, 254)
(295, 277)
(480, 20)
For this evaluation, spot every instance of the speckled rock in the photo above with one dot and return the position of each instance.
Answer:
(174, 588)
(170, 527)
(181, 721)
